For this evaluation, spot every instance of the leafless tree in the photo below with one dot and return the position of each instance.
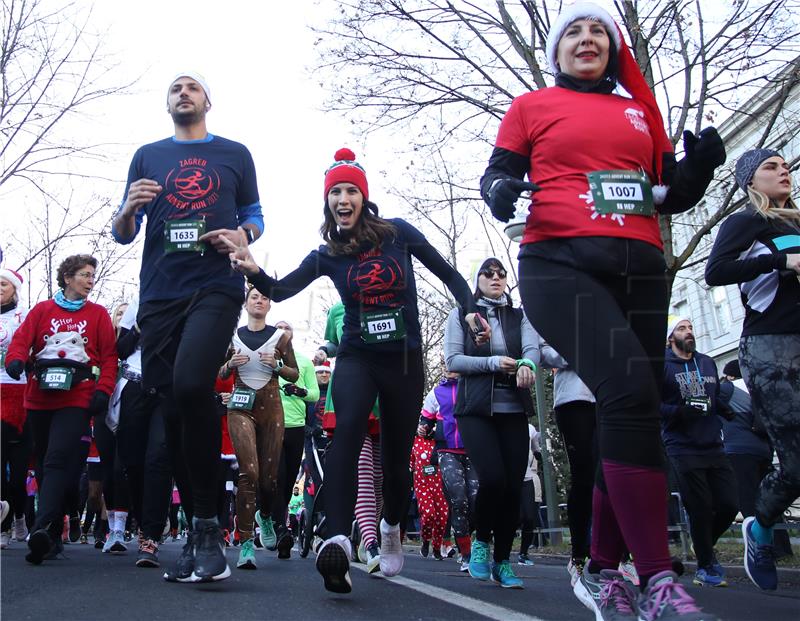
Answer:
(53, 68)
(444, 72)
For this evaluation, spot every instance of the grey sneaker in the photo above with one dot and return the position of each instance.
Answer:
(607, 595)
(665, 599)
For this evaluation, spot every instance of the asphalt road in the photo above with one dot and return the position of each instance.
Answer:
(88, 585)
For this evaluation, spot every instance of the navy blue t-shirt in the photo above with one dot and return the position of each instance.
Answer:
(375, 279)
(212, 179)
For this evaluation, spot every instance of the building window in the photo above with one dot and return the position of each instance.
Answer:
(722, 309)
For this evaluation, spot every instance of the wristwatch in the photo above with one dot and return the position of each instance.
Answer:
(251, 237)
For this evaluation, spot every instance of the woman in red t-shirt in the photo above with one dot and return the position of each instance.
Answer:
(592, 274)
(69, 346)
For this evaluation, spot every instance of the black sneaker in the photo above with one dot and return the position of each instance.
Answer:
(56, 550)
(285, 543)
(148, 554)
(437, 554)
(425, 548)
(209, 553)
(184, 566)
(39, 544)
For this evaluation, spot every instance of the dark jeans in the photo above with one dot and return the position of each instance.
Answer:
(57, 441)
(183, 346)
(142, 449)
(16, 453)
(498, 448)
(576, 421)
(708, 491)
(361, 377)
(288, 467)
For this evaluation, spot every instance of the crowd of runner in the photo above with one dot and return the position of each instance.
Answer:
(161, 419)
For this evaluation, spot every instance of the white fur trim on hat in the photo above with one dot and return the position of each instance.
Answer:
(674, 321)
(579, 10)
(197, 77)
(12, 277)
(322, 369)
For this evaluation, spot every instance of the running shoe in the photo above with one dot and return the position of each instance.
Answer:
(74, 529)
(268, 538)
(503, 574)
(575, 569)
(373, 558)
(39, 545)
(57, 550)
(717, 567)
(361, 555)
(183, 571)
(449, 550)
(628, 571)
(464, 563)
(391, 549)
(115, 543)
(665, 599)
(706, 576)
(247, 556)
(20, 529)
(4, 510)
(148, 554)
(607, 594)
(759, 560)
(209, 552)
(127, 536)
(5, 539)
(437, 554)
(285, 543)
(479, 566)
(333, 563)
(524, 559)
(424, 549)
(84, 538)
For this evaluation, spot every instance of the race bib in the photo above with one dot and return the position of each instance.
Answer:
(624, 192)
(383, 326)
(429, 470)
(56, 378)
(242, 399)
(701, 403)
(184, 235)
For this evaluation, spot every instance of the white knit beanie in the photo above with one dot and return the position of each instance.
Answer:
(571, 13)
(197, 77)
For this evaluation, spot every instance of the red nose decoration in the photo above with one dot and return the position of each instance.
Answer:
(62, 353)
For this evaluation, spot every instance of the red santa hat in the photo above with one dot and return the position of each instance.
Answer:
(323, 367)
(13, 277)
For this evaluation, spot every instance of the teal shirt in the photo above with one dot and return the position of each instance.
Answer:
(294, 408)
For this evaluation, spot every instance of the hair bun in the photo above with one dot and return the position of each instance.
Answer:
(344, 154)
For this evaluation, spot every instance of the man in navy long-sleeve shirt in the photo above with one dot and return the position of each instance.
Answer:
(692, 432)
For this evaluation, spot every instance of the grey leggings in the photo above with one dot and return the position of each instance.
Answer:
(460, 484)
(770, 364)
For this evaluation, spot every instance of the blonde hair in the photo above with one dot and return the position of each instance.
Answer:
(769, 210)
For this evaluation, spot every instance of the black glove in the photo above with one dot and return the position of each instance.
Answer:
(502, 195)
(705, 151)
(99, 403)
(292, 390)
(688, 412)
(15, 369)
(434, 458)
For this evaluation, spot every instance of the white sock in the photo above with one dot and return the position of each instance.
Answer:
(110, 518)
(120, 517)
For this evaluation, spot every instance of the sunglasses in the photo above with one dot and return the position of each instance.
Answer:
(490, 273)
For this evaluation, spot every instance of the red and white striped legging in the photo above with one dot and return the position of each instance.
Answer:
(369, 502)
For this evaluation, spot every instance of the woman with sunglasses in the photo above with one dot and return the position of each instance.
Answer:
(492, 405)
(73, 372)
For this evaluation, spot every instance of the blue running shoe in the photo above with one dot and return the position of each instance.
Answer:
(504, 575)
(706, 576)
(759, 559)
(717, 568)
(479, 567)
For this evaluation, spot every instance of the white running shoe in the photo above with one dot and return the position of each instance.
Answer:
(20, 529)
(391, 549)
(575, 569)
(115, 543)
(333, 562)
(628, 571)
(5, 539)
(4, 509)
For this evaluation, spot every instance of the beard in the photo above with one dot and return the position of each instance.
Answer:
(184, 119)
(687, 346)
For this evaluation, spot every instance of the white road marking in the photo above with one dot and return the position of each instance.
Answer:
(477, 606)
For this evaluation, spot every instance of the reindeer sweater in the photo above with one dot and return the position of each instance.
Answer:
(96, 341)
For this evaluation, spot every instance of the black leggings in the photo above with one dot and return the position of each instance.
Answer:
(59, 455)
(291, 456)
(17, 449)
(142, 449)
(115, 486)
(529, 515)
(576, 421)
(361, 377)
(183, 346)
(460, 484)
(498, 448)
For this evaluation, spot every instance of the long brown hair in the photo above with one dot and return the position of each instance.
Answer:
(370, 228)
